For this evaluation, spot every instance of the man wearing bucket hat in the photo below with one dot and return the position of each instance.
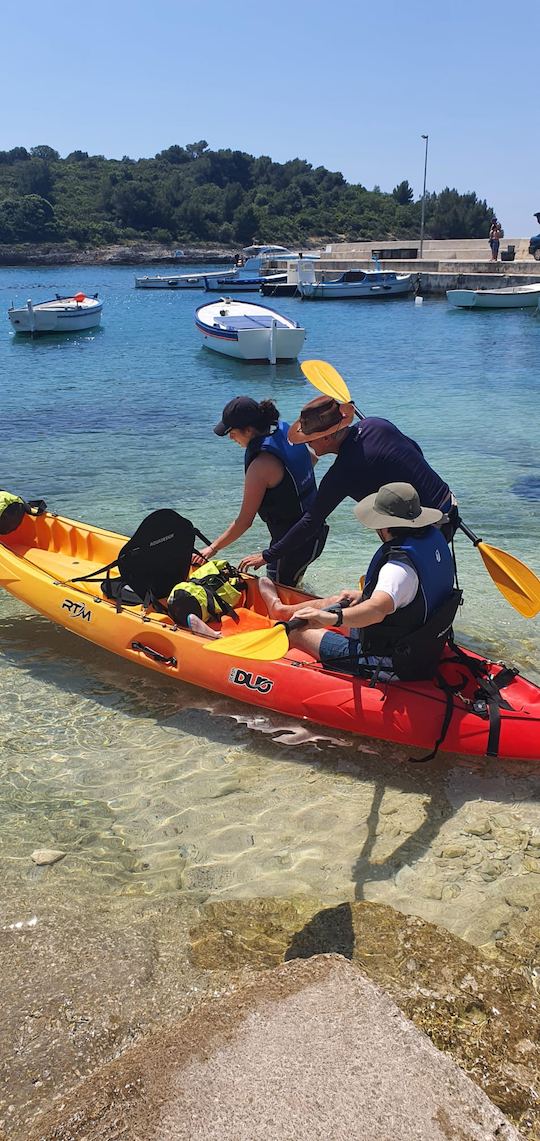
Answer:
(368, 455)
(401, 619)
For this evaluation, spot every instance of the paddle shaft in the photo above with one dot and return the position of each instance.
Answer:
(470, 534)
(296, 623)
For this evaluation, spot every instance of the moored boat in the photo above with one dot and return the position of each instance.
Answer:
(513, 297)
(62, 315)
(256, 261)
(240, 284)
(40, 558)
(248, 331)
(357, 283)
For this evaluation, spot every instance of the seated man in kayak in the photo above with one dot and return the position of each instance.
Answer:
(368, 455)
(399, 621)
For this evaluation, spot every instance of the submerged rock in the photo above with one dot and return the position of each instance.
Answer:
(308, 1050)
(483, 1011)
(42, 856)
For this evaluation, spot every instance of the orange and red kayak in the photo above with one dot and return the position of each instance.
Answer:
(45, 552)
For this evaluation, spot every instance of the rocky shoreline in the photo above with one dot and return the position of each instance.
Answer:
(170, 1002)
(133, 253)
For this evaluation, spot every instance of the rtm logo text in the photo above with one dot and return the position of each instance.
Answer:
(77, 609)
(242, 677)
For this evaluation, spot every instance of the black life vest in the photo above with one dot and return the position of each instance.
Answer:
(284, 505)
(415, 635)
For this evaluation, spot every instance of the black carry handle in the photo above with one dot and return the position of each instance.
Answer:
(36, 506)
(153, 654)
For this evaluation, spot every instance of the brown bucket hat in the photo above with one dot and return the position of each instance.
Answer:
(321, 417)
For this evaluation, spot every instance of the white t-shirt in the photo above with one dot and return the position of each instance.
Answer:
(400, 581)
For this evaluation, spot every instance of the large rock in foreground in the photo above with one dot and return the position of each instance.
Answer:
(310, 1050)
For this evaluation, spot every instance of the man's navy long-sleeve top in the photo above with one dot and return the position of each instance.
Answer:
(373, 453)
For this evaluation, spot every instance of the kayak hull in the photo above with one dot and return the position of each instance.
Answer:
(38, 559)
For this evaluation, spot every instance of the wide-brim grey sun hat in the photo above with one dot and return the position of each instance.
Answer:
(395, 505)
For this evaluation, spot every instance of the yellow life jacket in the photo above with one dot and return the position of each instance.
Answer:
(211, 591)
(13, 510)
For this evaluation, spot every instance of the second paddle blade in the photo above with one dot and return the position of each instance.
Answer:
(516, 582)
(326, 378)
(266, 645)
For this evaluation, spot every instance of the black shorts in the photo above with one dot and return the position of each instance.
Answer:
(289, 570)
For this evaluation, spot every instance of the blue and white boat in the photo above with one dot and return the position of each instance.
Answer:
(255, 263)
(248, 331)
(357, 283)
(62, 315)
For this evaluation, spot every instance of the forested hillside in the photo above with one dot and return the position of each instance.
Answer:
(192, 193)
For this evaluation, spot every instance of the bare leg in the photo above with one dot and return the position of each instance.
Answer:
(276, 609)
(197, 626)
(307, 640)
(280, 610)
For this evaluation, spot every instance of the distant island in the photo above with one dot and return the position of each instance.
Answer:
(193, 195)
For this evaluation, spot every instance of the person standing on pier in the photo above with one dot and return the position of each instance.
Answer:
(495, 235)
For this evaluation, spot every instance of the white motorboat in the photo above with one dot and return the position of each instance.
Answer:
(357, 283)
(256, 262)
(239, 283)
(63, 315)
(248, 331)
(183, 280)
(513, 297)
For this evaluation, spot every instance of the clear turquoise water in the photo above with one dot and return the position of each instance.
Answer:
(153, 787)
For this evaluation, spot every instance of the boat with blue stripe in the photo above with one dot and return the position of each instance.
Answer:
(248, 331)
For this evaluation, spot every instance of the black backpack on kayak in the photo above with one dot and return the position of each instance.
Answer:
(156, 557)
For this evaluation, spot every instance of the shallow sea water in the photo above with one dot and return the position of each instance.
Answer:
(157, 790)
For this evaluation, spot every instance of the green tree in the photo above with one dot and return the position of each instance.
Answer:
(195, 150)
(27, 219)
(403, 193)
(47, 153)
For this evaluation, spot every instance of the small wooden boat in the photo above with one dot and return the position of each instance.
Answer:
(63, 315)
(40, 560)
(357, 283)
(513, 297)
(248, 331)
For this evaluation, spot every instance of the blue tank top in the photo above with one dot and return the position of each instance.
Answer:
(284, 505)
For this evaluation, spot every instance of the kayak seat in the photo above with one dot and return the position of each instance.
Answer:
(157, 556)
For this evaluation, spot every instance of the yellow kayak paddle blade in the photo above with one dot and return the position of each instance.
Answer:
(516, 582)
(264, 645)
(327, 379)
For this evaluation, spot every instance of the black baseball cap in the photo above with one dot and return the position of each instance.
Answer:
(240, 412)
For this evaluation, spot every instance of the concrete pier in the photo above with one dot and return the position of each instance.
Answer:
(458, 264)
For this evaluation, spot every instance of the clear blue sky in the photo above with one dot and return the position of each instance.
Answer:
(343, 84)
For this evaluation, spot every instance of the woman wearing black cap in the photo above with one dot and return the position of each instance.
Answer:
(279, 484)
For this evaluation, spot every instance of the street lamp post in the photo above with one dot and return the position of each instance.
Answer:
(426, 138)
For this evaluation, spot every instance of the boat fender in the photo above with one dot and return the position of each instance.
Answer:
(13, 509)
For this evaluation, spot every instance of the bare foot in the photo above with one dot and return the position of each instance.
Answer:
(197, 626)
(269, 595)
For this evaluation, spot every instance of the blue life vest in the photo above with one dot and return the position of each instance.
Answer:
(430, 556)
(430, 613)
(284, 505)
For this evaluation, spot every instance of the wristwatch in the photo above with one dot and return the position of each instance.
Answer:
(336, 609)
